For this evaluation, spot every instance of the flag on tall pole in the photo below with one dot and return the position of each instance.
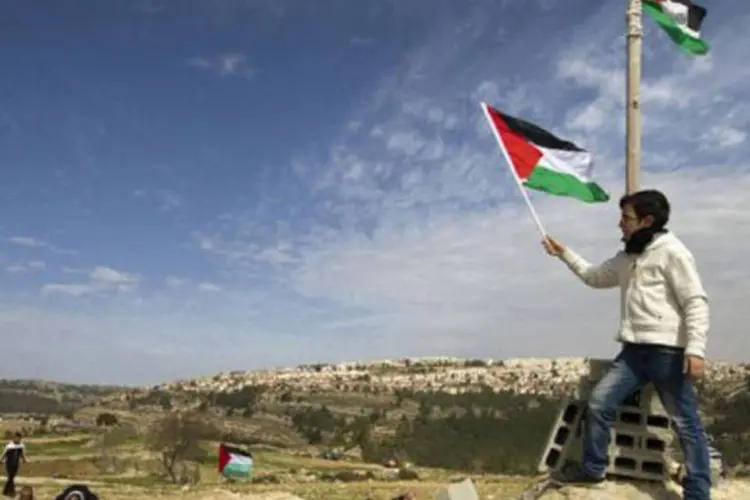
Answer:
(544, 162)
(634, 36)
(681, 20)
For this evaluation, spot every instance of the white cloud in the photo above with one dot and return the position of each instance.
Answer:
(185, 284)
(209, 287)
(228, 64)
(101, 280)
(26, 266)
(175, 282)
(410, 236)
(111, 277)
(31, 242)
(166, 199)
(169, 200)
(432, 250)
(74, 290)
(725, 136)
(27, 241)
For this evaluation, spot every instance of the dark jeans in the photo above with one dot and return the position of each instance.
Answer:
(636, 365)
(10, 483)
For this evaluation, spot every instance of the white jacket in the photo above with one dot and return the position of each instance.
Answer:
(662, 300)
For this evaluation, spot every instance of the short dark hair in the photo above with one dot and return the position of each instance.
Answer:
(648, 202)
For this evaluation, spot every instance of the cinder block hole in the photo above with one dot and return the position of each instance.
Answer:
(569, 415)
(657, 421)
(629, 417)
(561, 436)
(552, 458)
(625, 463)
(579, 429)
(651, 467)
(633, 400)
(624, 440)
(655, 444)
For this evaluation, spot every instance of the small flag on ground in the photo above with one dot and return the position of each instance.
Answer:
(234, 462)
(681, 20)
(544, 162)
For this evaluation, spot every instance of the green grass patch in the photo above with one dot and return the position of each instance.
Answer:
(62, 447)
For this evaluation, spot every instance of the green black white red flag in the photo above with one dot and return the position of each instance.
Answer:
(681, 20)
(544, 162)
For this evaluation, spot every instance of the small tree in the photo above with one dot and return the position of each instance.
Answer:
(106, 419)
(165, 402)
(108, 461)
(177, 438)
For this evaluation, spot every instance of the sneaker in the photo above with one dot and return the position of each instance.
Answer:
(574, 474)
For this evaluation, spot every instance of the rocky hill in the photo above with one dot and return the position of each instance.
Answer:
(549, 377)
(491, 416)
(539, 376)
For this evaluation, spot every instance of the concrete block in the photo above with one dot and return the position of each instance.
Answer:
(641, 439)
(464, 490)
(659, 422)
(562, 434)
(642, 433)
(634, 400)
(651, 402)
(630, 416)
(638, 464)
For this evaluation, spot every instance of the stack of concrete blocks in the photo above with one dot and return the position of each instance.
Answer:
(642, 434)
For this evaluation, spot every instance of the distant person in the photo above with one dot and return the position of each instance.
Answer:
(663, 330)
(13, 454)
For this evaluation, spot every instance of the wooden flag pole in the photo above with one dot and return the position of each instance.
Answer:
(633, 102)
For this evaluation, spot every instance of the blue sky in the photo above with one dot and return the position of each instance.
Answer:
(193, 186)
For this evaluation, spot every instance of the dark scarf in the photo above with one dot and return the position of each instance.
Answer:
(640, 239)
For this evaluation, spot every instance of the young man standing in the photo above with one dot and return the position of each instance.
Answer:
(663, 329)
(13, 454)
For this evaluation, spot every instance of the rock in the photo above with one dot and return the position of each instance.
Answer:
(464, 490)
(408, 475)
(389, 474)
(228, 495)
(615, 490)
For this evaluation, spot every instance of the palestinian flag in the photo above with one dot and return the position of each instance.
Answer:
(681, 20)
(234, 462)
(544, 162)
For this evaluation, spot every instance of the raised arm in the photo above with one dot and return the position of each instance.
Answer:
(604, 275)
(686, 284)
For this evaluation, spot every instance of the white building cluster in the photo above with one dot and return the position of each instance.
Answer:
(525, 376)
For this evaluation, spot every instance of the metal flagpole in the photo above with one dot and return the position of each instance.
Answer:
(633, 102)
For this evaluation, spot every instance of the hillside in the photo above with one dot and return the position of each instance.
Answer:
(549, 377)
(492, 417)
